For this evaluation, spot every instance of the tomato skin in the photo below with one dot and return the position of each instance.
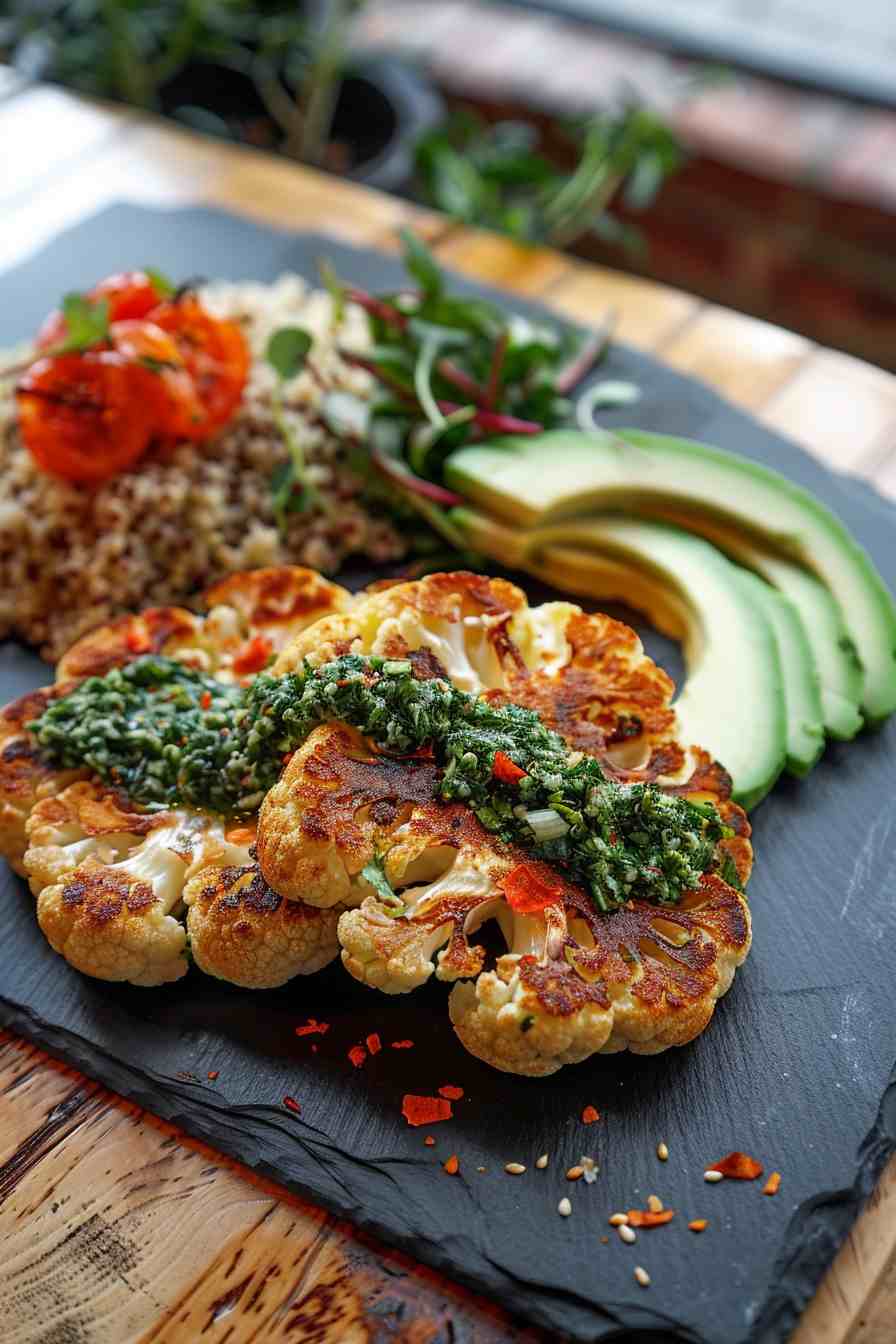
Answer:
(253, 656)
(130, 294)
(85, 417)
(214, 352)
(531, 887)
(179, 414)
(506, 770)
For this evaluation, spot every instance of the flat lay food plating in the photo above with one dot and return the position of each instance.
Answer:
(243, 770)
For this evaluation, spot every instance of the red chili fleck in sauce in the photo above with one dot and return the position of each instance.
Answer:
(313, 1028)
(590, 1115)
(292, 1105)
(357, 1055)
(205, 700)
(451, 1092)
(425, 1110)
(506, 770)
(738, 1166)
(137, 641)
(531, 887)
(253, 655)
(374, 1044)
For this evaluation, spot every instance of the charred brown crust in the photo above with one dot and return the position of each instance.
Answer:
(121, 641)
(243, 889)
(98, 810)
(102, 895)
(276, 596)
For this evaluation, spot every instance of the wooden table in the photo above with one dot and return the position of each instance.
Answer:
(115, 1226)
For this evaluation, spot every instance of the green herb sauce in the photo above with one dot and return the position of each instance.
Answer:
(167, 734)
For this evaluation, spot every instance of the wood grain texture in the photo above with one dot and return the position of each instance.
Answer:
(115, 1227)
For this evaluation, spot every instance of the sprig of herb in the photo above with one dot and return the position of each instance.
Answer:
(287, 353)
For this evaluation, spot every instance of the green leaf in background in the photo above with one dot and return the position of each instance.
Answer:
(86, 320)
(287, 351)
(160, 283)
(421, 265)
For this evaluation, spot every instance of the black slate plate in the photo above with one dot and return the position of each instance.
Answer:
(796, 1067)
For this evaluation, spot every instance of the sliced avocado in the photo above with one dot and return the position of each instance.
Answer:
(833, 652)
(802, 688)
(546, 478)
(733, 700)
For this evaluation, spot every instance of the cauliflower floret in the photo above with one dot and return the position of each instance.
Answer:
(446, 869)
(576, 982)
(25, 777)
(242, 931)
(109, 880)
(331, 811)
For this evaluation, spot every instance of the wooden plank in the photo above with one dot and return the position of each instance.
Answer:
(840, 407)
(744, 359)
(647, 314)
(116, 1226)
(501, 262)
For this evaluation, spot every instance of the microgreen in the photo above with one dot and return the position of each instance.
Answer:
(86, 321)
(165, 288)
(374, 872)
(287, 353)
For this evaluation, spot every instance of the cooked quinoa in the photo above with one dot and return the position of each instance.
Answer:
(71, 557)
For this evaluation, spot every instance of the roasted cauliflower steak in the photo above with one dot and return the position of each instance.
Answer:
(124, 893)
(573, 981)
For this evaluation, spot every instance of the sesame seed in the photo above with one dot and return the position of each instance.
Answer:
(564, 1208)
(514, 1168)
(618, 1219)
(575, 1173)
(627, 1234)
(590, 1169)
(713, 1176)
(541, 1162)
(662, 1152)
(642, 1276)
(654, 1204)
(698, 1225)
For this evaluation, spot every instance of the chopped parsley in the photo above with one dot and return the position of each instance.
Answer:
(165, 734)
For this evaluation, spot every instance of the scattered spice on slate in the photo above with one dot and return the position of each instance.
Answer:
(626, 1234)
(564, 1208)
(541, 1162)
(357, 1055)
(575, 1173)
(589, 1115)
(313, 1028)
(739, 1167)
(662, 1152)
(213, 1075)
(698, 1224)
(429, 1141)
(402, 1045)
(425, 1110)
(649, 1218)
(292, 1105)
(617, 1219)
(712, 1176)
(642, 1276)
(654, 1204)
(451, 1092)
(374, 1044)
(589, 1169)
(773, 1184)
(514, 1168)
(452, 1165)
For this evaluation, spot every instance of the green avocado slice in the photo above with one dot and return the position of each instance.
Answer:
(802, 687)
(733, 702)
(546, 478)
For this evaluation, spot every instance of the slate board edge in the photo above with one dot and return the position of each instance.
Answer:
(190, 1107)
(817, 1227)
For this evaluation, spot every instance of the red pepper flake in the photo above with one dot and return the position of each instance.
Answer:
(698, 1224)
(213, 1075)
(425, 1110)
(451, 1165)
(137, 641)
(292, 1105)
(647, 1218)
(451, 1092)
(402, 1045)
(429, 1141)
(738, 1166)
(506, 770)
(590, 1115)
(773, 1184)
(252, 656)
(374, 1044)
(205, 700)
(313, 1028)
(531, 887)
(357, 1055)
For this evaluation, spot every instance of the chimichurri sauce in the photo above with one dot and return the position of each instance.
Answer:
(167, 734)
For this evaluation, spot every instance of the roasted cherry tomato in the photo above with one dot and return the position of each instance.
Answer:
(215, 353)
(531, 888)
(131, 295)
(85, 417)
(179, 414)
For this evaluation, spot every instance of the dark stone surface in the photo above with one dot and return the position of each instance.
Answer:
(796, 1067)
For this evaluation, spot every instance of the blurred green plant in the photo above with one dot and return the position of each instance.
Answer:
(497, 176)
(293, 53)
